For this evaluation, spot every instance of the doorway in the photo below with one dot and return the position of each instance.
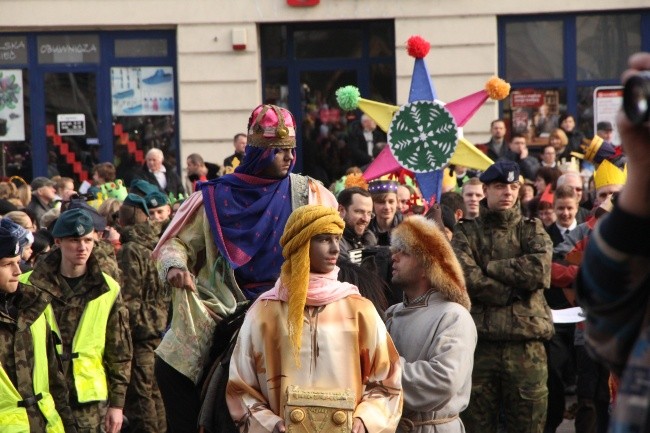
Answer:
(303, 64)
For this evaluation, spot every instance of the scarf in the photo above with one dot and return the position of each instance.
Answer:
(247, 215)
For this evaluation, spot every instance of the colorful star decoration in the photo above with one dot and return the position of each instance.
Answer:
(423, 134)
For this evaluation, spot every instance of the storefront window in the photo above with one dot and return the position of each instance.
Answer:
(604, 44)
(332, 43)
(304, 64)
(382, 82)
(276, 88)
(382, 39)
(143, 116)
(534, 50)
(273, 41)
(534, 112)
(572, 54)
(71, 124)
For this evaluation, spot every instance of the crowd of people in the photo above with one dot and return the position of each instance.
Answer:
(250, 298)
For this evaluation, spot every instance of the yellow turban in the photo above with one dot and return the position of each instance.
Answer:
(303, 224)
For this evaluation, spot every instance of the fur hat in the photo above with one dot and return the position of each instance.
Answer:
(422, 238)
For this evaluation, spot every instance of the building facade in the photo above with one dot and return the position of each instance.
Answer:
(100, 80)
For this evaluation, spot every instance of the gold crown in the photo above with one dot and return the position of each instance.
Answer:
(609, 174)
(590, 148)
(278, 135)
(569, 165)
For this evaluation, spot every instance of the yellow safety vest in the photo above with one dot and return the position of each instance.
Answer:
(88, 344)
(13, 416)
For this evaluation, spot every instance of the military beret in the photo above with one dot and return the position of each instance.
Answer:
(142, 187)
(136, 201)
(23, 235)
(156, 199)
(99, 221)
(73, 223)
(92, 193)
(9, 245)
(501, 171)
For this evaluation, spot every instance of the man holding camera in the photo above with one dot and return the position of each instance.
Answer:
(506, 259)
(613, 283)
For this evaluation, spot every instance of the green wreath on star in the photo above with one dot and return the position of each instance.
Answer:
(423, 136)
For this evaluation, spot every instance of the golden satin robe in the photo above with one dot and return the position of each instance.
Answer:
(345, 346)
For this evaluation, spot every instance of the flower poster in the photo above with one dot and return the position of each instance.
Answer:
(12, 113)
(138, 91)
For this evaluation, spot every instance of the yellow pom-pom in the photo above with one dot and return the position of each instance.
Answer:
(497, 88)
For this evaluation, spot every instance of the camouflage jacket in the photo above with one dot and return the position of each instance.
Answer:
(146, 297)
(507, 264)
(104, 252)
(17, 313)
(69, 305)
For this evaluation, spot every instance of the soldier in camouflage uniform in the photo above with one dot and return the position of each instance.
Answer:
(104, 250)
(92, 323)
(506, 259)
(148, 301)
(159, 207)
(21, 309)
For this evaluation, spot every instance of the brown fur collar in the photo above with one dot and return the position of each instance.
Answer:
(422, 238)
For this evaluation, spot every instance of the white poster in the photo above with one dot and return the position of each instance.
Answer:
(607, 103)
(12, 113)
(142, 91)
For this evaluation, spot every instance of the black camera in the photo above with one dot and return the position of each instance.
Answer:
(636, 98)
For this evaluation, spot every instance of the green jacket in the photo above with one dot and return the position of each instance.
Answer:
(507, 264)
(146, 297)
(18, 312)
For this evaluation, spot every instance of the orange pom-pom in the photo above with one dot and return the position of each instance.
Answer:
(497, 88)
(417, 47)
(355, 179)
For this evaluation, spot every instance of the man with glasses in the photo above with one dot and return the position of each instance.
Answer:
(355, 208)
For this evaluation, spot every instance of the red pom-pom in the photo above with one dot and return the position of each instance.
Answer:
(417, 47)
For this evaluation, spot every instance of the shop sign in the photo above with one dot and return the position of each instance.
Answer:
(71, 124)
(13, 50)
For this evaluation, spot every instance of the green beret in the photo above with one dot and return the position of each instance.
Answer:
(136, 201)
(142, 187)
(156, 199)
(73, 223)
